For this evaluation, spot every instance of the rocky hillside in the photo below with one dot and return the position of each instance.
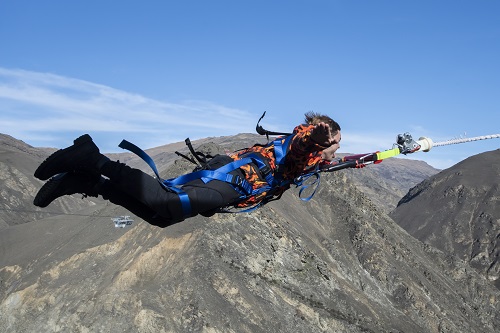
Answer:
(458, 211)
(337, 263)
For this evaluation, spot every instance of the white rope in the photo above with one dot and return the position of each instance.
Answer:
(462, 140)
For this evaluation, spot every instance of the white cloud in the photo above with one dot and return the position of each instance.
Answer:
(43, 109)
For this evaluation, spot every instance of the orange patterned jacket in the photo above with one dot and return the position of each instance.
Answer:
(303, 155)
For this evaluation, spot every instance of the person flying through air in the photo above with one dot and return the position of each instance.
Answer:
(250, 177)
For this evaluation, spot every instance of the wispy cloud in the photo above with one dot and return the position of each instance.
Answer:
(44, 109)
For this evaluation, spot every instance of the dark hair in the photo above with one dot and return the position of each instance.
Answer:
(314, 118)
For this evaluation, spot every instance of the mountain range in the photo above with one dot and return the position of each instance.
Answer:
(348, 260)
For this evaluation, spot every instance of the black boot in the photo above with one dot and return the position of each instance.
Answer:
(82, 156)
(66, 184)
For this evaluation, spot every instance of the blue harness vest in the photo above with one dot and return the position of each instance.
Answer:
(274, 180)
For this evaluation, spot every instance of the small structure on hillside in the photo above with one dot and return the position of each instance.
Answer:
(122, 221)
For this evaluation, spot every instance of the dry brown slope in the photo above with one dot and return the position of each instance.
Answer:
(458, 211)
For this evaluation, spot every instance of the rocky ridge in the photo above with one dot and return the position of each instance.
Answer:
(458, 211)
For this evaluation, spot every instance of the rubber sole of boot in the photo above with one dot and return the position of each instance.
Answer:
(66, 184)
(49, 191)
(48, 168)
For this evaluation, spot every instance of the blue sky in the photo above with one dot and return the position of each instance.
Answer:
(155, 72)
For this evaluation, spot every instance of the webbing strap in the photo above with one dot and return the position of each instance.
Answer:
(141, 153)
(266, 172)
(221, 174)
(185, 202)
(300, 182)
(280, 149)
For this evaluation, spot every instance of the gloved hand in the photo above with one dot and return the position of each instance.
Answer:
(360, 165)
(322, 135)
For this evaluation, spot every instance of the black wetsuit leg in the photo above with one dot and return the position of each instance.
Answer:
(153, 197)
(120, 198)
